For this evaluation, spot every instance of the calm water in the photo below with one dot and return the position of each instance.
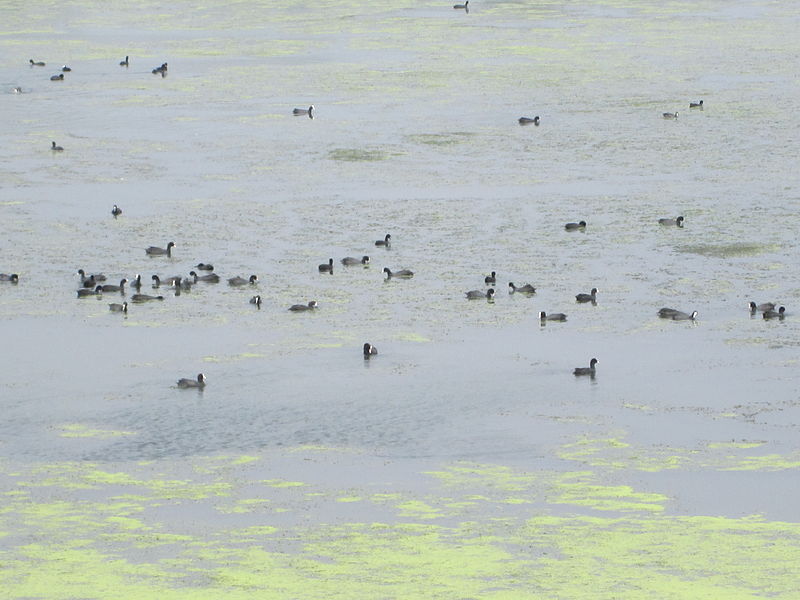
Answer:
(415, 133)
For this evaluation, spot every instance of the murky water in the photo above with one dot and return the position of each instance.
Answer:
(415, 134)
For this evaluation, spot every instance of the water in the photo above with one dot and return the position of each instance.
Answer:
(415, 133)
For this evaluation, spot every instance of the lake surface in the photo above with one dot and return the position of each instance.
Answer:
(465, 460)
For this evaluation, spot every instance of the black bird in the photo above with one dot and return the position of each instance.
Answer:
(384, 241)
(590, 370)
(116, 211)
(369, 350)
(200, 382)
(326, 268)
(591, 297)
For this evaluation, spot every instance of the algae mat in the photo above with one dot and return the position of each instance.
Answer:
(243, 527)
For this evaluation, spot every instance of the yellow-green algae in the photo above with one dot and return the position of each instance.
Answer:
(470, 530)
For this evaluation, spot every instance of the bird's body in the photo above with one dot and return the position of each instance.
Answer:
(66, 69)
(156, 251)
(145, 298)
(696, 104)
(118, 307)
(575, 226)
(116, 211)
(369, 350)
(200, 382)
(676, 222)
(543, 316)
(326, 268)
(204, 267)
(349, 261)
(682, 316)
(669, 115)
(209, 278)
(525, 289)
(775, 314)
(37, 63)
(385, 242)
(478, 294)
(402, 274)
(490, 279)
(257, 301)
(303, 307)
(529, 120)
(590, 370)
(239, 281)
(464, 6)
(56, 148)
(12, 277)
(124, 63)
(86, 292)
(590, 297)
(765, 306)
(59, 77)
(115, 288)
(304, 111)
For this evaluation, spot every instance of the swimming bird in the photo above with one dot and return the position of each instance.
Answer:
(765, 306)
(349, 261)
(574, 226)
(490, 279)
(666, 313)
(66, 69)
(476, 294)
(124, 63)
(145, 298)
(162, 69)
(464, 6)
(200, 382)
(115, 288)
(93, 277)
(304, 111)
(326, 268)
(210, 278)
(552, 317)
(590, 370)
(85, 292)
(403, 274)
(13, 277)
(137, 282)
(156, 251)
(118, 307)
(16, 90)
(669, 115)
(528, 120)
(590, 297)
(204, 267)
(116, 211)
(525, 289)
(257, 301)
(369, 350)
(59, 77)
(773, 314)
(174, 280)
(303, 307)
(37, 63)
(384, 241)
(696, 104)
(676, 222)
(682, 316)
(238, 281)
(55, 148)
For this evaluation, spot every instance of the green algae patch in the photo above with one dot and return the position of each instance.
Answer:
(441, 139)
(732, 250)
(581, 489)
(78, 430)
(360, 155)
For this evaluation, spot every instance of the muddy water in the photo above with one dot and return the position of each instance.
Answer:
(415, 133)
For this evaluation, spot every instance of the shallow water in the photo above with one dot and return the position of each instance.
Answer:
(415, 133)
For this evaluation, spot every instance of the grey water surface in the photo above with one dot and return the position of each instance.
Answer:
(415, 134)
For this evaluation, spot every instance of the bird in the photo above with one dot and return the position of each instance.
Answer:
(210, 278)
(167, 281)
(696, 104)
(682, 316)
(669, 115)
(124, 63)
(37, 63)
(118, 307)
(590, 297)
(85, 292)
(162, 69)
(59, 77)
(156, 251)
(237, 281)
(552, 317)
(528, 120)
(55, 148)
(773, 314)
(369, 350)
(94, 276)
(490, 279)
(590, 370)
(116, 211)
(145, 298)
(304, 111)
(257, 301)
(574, 226)
(303, 307)
(16, 90)
(66, 69)
(676, 222)
(476, 294)
(403, 274)
(199, 383)
(384, 241)
(115, 288)
(137, 282)
(525, 289)
(464, 6)
(326, 268)
(350, 261)
(12, 277)
(762, 307)
(204, 267)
